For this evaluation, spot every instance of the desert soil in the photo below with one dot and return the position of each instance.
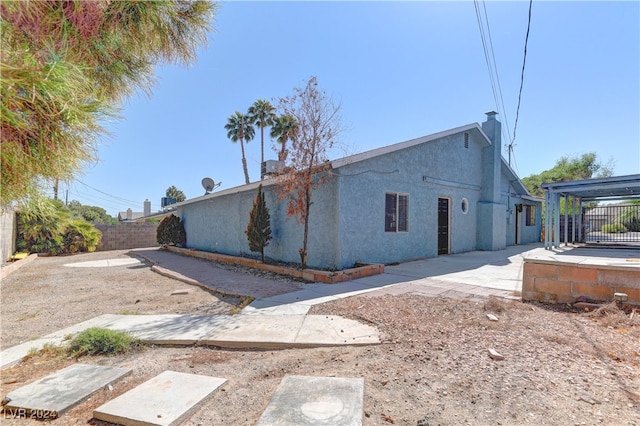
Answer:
(433, 367)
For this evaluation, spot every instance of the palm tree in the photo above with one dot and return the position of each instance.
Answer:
(262, 114)
(285, 128)
(240, 128)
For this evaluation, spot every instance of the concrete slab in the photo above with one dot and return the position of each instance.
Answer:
(334, 330)
(168, 329)
(54, 394)
(302, 400)
(104, 263)
(253, 331)
(166, 400)
(15, 354)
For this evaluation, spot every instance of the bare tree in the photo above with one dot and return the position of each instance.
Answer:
(307, 167)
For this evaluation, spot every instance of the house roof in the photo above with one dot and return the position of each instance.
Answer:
(615, 187)
(341, 162)
(408, 144)
(134, 215)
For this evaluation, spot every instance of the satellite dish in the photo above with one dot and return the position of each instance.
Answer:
(208, 184)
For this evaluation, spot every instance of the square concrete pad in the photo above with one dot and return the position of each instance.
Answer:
(56, 393)
(301, 400)
(334, 330)
(255, 331)
(165, 400)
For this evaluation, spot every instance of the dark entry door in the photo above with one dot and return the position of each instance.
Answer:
(443, 226)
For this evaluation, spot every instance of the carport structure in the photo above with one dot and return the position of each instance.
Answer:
(575, 193)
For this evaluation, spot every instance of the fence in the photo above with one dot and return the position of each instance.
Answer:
(612, 224)
(128, 235)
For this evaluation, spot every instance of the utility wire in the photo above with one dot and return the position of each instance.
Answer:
(120, 199)
(495, 66)
(489, 56)
(524, 61)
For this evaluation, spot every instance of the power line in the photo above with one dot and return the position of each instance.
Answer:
(504, 114)
(115, 197)
(489, 56)
(524, 61)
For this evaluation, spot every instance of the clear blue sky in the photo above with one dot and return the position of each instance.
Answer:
(400, 70)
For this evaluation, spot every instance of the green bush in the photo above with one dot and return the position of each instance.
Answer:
(80, 236)
(47, 228)
(613, 228)
(101, 341)
(171, 231)
(630, 217)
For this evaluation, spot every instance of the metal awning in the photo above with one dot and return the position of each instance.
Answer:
(575, 193)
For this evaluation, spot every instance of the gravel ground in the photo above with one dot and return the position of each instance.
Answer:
(433, 368)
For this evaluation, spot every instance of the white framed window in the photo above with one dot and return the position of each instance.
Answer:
(396, 212)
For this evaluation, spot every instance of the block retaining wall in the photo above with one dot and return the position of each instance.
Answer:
(562, 282)
(128, 235)
(327, 277)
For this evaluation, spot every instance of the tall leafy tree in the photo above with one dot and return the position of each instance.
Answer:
(259, 228)
(239, 128)
(262, 114)
(174, 192)
(284, 129)
(585, 166)
(67, 65)
(307, 167)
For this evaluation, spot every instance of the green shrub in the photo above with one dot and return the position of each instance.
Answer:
(613, 228)
(80, 236)
(101, 341)
(259, 228)
(46, 227)
(171, 231)
(630, 217)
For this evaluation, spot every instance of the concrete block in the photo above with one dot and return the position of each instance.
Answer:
(51, 396)
(302, 400)
(575, 273)
(592, 291)
(166, 400)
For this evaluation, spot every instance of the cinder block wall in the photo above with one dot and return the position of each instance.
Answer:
(7, 235)
(128, 235)
(560, 282)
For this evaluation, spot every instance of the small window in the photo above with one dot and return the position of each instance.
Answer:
(466, 140)
(531, 215)
(464, 206)
(396, 212)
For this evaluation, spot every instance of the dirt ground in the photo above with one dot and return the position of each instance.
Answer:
(433, 367)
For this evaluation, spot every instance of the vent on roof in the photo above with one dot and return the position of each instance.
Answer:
(466, 140)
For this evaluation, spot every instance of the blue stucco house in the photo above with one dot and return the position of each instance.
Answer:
(444, 193)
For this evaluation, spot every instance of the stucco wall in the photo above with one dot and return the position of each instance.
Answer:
(7, 235)
(218, 224)
(443, 168)
(127, 235)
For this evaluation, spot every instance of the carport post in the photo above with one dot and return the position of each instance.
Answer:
(566, 219)
(580, 219)
(573, 220)
(556, 220)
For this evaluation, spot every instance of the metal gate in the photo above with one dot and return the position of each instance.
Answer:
(613, 223)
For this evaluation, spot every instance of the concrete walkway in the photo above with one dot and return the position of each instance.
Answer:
(227, 331)
(472, 275)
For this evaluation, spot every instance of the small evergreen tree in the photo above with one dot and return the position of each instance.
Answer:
(259, 227)
(171, 231)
